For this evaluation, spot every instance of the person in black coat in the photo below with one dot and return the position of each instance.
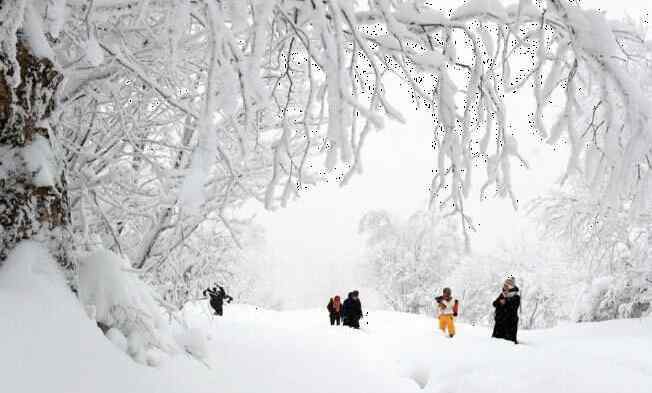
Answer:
(346, 306)
(352, 310)
(506, 314)
(217, 297)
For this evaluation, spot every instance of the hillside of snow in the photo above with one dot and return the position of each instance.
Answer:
(49, 345)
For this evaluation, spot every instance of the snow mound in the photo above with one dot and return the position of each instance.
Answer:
(118, 339)
(118, 299)
(50, 345)
(193, 341)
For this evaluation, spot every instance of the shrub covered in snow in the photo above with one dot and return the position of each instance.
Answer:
(123, 305)
(613, 297)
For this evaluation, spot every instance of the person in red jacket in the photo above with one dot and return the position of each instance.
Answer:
(335, 310)
(448, 309)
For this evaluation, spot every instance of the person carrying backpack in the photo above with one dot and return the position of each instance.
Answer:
(447, 311)
(506, 314)
(217, 297)
(335, 310)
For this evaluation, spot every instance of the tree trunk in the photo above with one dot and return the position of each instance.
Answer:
(33, 198)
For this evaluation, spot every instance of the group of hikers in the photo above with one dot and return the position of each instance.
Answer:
(349, 312)
(506, 308)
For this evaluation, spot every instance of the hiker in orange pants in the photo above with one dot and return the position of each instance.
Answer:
(448, 308)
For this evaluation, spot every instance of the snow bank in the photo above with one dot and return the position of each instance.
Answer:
(50, 345)
(119, 300)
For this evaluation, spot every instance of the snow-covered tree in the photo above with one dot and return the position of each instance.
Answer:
(407, 260)
(609, 248)
(145, 178)
(548, 288)
(210, 258)
(173, 113)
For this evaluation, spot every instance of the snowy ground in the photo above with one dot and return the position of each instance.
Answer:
(295, 351)
(48, 345)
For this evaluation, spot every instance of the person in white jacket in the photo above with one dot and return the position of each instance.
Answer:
(447, 309)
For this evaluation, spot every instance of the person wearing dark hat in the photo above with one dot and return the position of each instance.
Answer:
(346, 306)
(506, 311)
(352, 310)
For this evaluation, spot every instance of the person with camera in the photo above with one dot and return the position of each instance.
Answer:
(217, 297)
(506, 311)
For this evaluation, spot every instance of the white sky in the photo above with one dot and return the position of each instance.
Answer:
(313, 245)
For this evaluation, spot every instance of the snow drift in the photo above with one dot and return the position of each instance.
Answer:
(124, 305)
(50, 345)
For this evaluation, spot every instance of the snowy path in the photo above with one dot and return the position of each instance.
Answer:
(299, 352)
(48, 345)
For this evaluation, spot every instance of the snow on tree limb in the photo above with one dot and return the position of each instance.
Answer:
(293, 79)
